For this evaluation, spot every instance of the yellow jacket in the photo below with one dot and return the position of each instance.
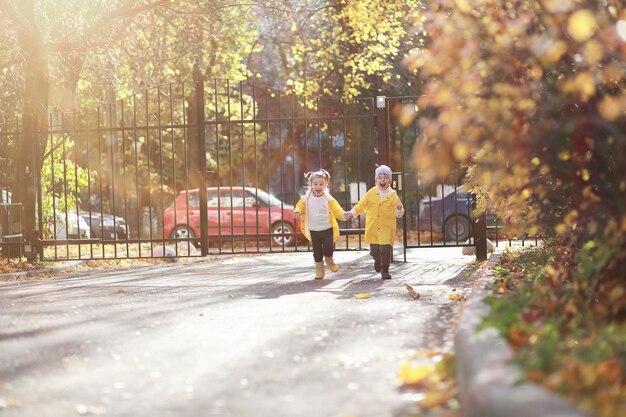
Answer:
(334, 211)
(380, 222)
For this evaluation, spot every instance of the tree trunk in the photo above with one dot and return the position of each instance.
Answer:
(36, 91)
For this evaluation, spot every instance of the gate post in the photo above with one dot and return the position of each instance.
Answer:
(27, 182)
(381, 130)
(200, 166)
(480, 233)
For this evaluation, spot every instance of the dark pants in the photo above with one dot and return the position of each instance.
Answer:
(381, 255)
(323, 244)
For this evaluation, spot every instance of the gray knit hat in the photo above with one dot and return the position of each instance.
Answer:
(383, 169)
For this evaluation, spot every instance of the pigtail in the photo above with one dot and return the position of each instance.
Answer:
(326, 175)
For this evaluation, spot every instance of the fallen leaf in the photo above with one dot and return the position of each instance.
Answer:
(7, 402)
(435, 399)
(121, 290)
(413, 376)
(414, 294)
(363, 295)
(610, 371)
(517, 337)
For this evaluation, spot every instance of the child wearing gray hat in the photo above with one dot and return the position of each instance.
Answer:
(383, 206)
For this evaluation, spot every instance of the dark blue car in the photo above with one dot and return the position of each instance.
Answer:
(451, 216)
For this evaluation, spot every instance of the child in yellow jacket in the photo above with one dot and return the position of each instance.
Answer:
(318, 212)
(383, 206)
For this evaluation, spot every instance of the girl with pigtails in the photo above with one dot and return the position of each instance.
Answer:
(318, 212)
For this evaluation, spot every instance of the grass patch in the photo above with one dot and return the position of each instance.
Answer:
(559, 343)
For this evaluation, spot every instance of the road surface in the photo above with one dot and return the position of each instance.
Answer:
(236, 336)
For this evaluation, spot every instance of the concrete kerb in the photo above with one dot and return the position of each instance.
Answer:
(11, 276)
(489, 380)
(68, 265)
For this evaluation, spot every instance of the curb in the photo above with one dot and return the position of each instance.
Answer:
(487, 376)
(11, 276)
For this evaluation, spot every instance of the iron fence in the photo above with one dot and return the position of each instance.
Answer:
(122, 180)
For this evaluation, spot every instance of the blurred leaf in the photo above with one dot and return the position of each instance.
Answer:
(582, 25)
(412, 293)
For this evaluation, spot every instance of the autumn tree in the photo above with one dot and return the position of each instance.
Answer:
(531, 96)
(354, 48)
(101, 51)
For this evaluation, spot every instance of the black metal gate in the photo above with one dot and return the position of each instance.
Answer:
(436, 215)
(123, 180)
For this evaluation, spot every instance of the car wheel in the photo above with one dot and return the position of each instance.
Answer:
(283, 234)
(182, 232)
(457, 228)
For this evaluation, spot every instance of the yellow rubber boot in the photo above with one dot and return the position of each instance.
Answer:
(331, 264)
(319, 270)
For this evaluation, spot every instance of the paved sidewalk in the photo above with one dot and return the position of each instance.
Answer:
(247, 336)
(47, 339)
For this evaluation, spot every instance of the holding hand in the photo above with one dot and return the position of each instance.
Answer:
(296, 215)
(399, 210)
(347, 215)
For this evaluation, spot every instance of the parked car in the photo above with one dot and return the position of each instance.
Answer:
(8, 211)
(232, 212)
(105, 226)
(69, 226)
(451, 216)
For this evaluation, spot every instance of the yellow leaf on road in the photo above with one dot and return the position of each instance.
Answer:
(414, 294)
(434, 399)
(363, 295)
(415, 376)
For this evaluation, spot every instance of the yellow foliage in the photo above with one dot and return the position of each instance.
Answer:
(593, 52)
(410, 374)
(463, 6)
(585, 85)
(612, 107)
(555, 52)
(582, 25)
(561, 229)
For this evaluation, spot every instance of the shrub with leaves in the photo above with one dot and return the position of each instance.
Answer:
(531, 96)
(559, 341)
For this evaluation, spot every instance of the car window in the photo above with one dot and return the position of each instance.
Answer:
(231, 197)
(194, 200)
(211, 199)
(265, 198)
(226, 199)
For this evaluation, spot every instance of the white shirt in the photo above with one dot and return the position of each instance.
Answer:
(317, 213)
(384, 193)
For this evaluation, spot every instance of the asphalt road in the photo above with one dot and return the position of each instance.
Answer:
(240, 336)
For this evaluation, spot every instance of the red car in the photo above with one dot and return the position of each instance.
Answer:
(232, 212)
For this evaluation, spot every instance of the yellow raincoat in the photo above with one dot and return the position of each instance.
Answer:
(380, 222)
(334, 211)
